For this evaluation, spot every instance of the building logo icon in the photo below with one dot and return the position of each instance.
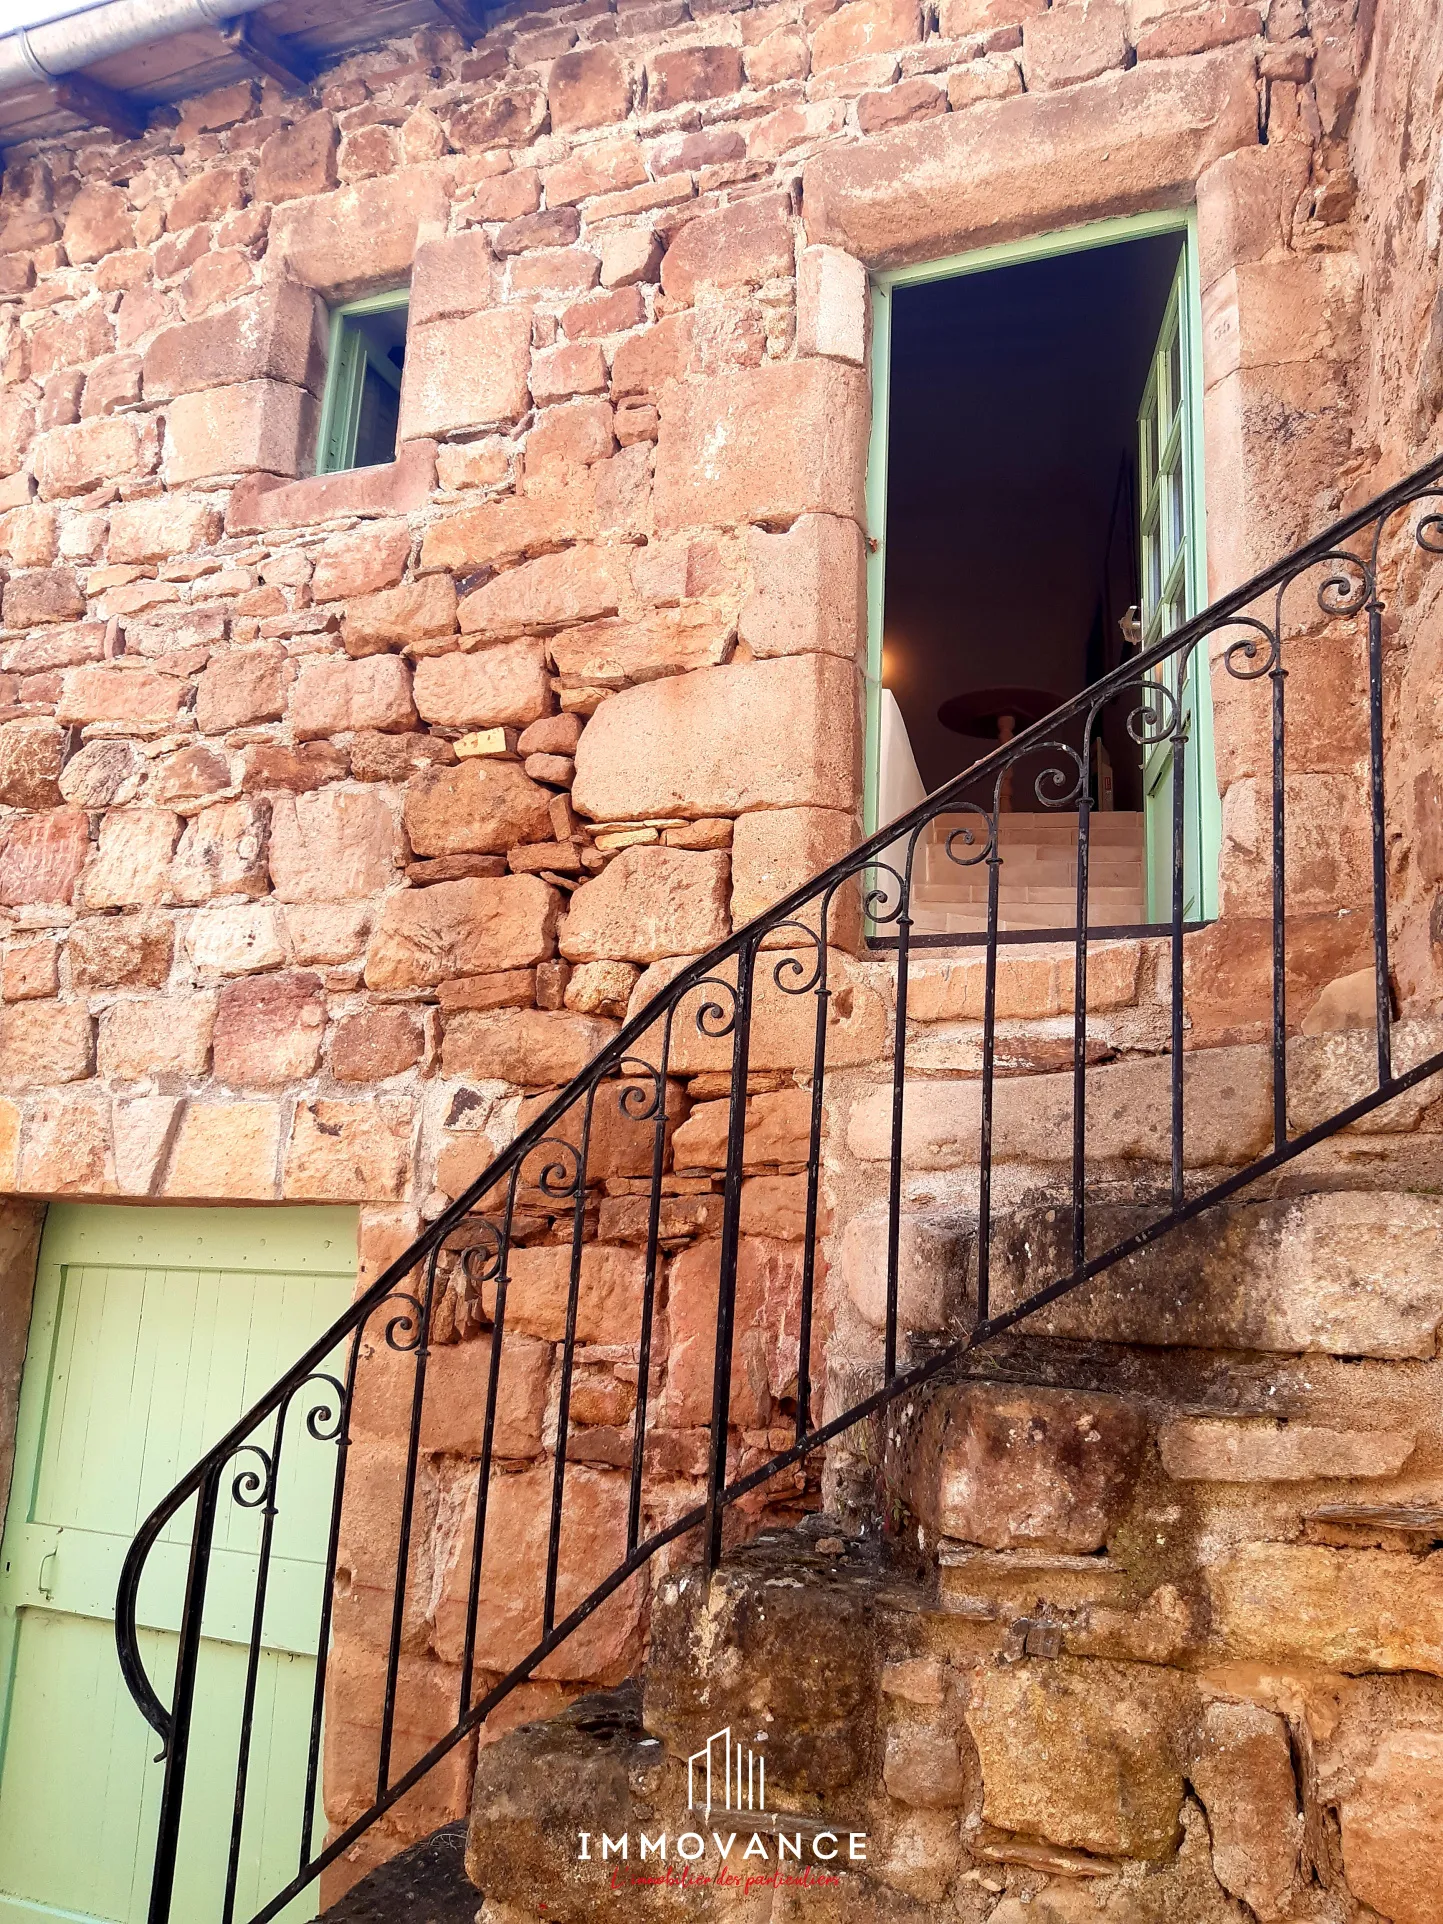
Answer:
(727, 1775)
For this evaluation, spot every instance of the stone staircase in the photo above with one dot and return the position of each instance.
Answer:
(1038, 875)
(1092, 1630)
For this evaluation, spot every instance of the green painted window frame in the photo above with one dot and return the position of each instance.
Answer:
(346, 366)
(1071, 240)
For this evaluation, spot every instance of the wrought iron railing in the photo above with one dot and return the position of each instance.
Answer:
(722, 1015)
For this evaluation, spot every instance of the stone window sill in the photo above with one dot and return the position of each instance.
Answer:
(263, 502)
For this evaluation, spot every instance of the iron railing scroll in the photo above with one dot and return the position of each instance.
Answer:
(544, 1185)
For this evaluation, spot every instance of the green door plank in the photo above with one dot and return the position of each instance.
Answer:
(152, 1331)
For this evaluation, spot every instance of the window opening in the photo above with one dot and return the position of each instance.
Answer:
(362, 405)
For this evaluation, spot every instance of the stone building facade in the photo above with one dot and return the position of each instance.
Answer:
(286, 920)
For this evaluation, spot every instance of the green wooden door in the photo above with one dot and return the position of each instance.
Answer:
(153, 1329)
(1174, 588)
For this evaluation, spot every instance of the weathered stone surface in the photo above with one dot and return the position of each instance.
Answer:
(346, 1152)
(156, 1036)
(225, 1151)
(1242, 1770)
(263, 501)
(738, 246)
(156, 530)
(236, 941)
(1352, 1610)
(333, 846)
(73, 459)
(588, 88)
(1017, 1468)
(41, 857)
(375, 1044)
(531, 1047)
(411, 616)
(427, 936)
(298, 160)
(809, 589)
(131, 863)
(513, 1576)
(679, 74)
(1227, 1114)
(241, 686)
(608, 1303)
(766, 1320)
(31, 753)
(1087, 1755)
(612, 654)
(338, 243)
(505, 685)
(257, 426)
(1393, 1828)
(277, 335)
(466, 372)
(121, 951)
(268, 1029)
(223, 852)
(47, 594)
(648, 903)
(932, 1258)
(1074, 41)
(143, 1130)
(719, 459)
(483, 805)
(451, 277)
(42, 1043)
(1215, 1449)
(864, 27)
(1347, 1274)
(97, 224)
(1033, 162)
(923, 1767)
(771, 734)
(775, 850)
(333, 697)
(65, 1147)
(551, 592)
(777, 1129)
(361, 562)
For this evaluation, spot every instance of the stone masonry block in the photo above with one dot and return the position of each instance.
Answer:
(468, 372)
(451, 277)
(1031, 163)
(1393, 1827)
(360, 236)
(932, 1257)
(258, 426)
(737, 246)
(809, 589)
(833, 306)
(767, 734)
(1015, 1468)
(649, 903)
(278, 335)
(720, 459)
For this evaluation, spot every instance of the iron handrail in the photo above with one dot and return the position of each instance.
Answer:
(1350, 589)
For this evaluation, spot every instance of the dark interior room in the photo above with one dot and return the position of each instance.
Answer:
(1011, 495)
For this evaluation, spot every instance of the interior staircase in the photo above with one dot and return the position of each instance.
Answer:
(1028, 1529)
(1037, 885)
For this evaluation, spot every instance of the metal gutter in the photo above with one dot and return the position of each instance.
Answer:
(58, 47)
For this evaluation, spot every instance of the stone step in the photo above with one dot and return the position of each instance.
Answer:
(1019, 829)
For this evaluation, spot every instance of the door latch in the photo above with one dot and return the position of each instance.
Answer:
(45, 1582)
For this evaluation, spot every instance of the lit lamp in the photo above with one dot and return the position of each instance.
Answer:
(996, 714)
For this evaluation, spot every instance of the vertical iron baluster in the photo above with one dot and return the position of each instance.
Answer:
(1380, 850)
(1276, 675)
(648, 1299)
(1178, 771)
(899, 1086)
(568, 1359)
(328, 1583)
(814, 1176)
(727, 1276)
(253, 1660)
(989, 1067)
(1079, 1029)
(488, 1439)
(408, 1507)
(172, 1793)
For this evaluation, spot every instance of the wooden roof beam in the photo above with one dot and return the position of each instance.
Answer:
(282, 60)
(467, 16)
(100, 106)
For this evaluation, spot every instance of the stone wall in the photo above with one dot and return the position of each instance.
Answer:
(343, 816)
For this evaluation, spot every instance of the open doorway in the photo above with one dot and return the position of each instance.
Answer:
(1040, 461)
